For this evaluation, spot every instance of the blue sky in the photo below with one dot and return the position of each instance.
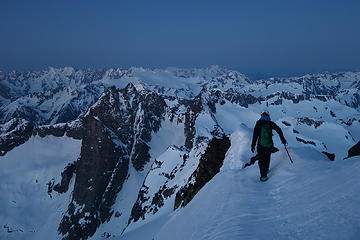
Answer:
(268, 37)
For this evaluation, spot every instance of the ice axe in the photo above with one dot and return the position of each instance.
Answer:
(288, 154)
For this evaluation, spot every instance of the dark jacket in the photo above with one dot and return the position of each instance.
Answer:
(257, 130)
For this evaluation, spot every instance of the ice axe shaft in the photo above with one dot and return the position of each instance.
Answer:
(288, 154)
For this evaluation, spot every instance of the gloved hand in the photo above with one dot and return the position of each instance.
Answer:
(283, 140)
(253, 149)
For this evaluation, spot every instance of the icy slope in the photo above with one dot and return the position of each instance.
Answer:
(310, 199)
(27, 209)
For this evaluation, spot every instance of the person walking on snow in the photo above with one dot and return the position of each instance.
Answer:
(262, 137)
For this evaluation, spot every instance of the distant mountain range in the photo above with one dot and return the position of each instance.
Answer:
(61, 95)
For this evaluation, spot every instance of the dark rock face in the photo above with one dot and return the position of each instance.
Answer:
(332, 114)
(241, 99)
(350, 121)
(51, 130)
(209, 166)
(100, 173)
(295, 98)
(66, 176)
(160, 196)
(138, 211)
(192, 112)
(305, 141)
(310, 122)
(150, 203)
(116, 131)
(13, 134)
(331, 156)
(74, 130)
(354, 150)
(286, 123)
(132, 116)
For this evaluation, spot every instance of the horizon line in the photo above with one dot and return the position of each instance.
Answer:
(249, 74)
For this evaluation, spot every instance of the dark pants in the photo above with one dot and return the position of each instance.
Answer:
(264, 160)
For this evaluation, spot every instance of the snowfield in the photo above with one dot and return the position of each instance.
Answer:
(27, 210)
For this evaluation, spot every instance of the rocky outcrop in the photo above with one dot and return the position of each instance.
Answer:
(100, 173)
(117, 131)
(132, 116)
(138, 211)
(192, 112)
(309, 122)
(305, 141)
(57, 130)
(73, 129)
(354, 150)
(14, 133)
(17, 131)
(66, 176)
(349, 122)
(241, 99)
(209, 165)
(160, 184)
(331, 156)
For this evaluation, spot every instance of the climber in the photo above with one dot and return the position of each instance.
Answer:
(265, 145)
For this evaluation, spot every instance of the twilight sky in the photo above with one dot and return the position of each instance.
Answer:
(256, 37)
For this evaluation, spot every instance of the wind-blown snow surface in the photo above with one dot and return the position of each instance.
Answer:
(27, 210)
(310, 199)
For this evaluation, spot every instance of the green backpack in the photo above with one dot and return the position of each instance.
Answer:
(265, 136)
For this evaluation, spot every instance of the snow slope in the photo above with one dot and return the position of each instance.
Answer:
(310, 199)
(27, 210)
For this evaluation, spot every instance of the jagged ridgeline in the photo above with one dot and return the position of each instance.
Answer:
(145, 142)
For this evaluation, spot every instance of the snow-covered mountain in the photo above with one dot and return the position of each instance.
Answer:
(60, 95)
(158, 154)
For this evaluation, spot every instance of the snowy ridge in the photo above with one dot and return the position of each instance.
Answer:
(234, 203)
(292, 205)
